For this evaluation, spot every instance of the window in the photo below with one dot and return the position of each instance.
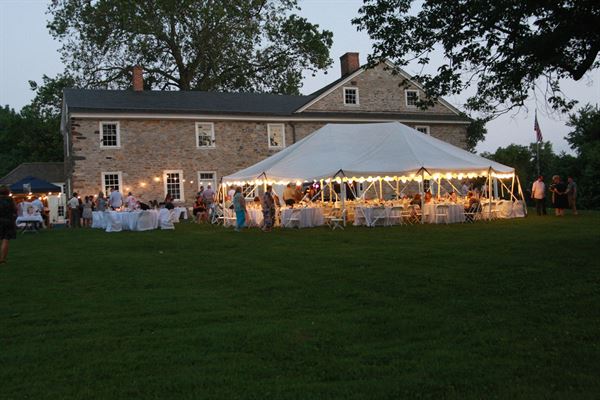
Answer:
(206, 178)
(111, 180)
(174, 184)
(412, 96)
(276, 136)
(351, 96)
(110, 136)
(423, 129)
(205, 134)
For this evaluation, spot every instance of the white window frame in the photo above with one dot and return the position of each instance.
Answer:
(426, 127)
(212, 133)
(269, 126)
(103, 180)
(344, 96)
(181, 183)
(101, 128)
(406, 97)
(213, 182)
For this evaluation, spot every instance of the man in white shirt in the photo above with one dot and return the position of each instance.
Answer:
(116, 199)
(538, 194)
(73, 205)
(39, 208)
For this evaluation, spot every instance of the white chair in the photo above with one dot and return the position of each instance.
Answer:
(396, 214)
(113, 222)
(379, 215)
(229, 217)
(145, 221)
(473, 213)
(442, 213)
(336, 219)
(165, 220)
(294, 218)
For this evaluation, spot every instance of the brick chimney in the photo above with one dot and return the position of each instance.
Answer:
(138, 79)
(349, 63)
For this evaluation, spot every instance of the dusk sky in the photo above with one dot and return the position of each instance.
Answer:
(27, 52)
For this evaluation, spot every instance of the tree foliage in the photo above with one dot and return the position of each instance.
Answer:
(500, 48)
(584, 168)
(225, 45)
(28, 137)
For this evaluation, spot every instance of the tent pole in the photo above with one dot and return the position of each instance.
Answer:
(397, 188)
(380, 188)
(343, 195)
(521, 193)
(439, 188)
(489, 179)
(422, 190)
(512, 187)
(322, 191)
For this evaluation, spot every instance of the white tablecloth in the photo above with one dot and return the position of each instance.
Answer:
(30, 218)
(113, 221)
(254, 217)
(456, 213)
(308, 217)
(504, 209)
(180, 212)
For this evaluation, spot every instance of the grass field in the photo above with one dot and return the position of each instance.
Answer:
(508, 309)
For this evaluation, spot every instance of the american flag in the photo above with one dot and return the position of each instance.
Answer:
(536, 128)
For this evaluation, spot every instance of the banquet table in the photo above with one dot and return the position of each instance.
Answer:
(377, 215)
(113, 221)
(254, 217)
(503, 209)
(308, 217)
(456, 213)
(30, 222)
(180, 212)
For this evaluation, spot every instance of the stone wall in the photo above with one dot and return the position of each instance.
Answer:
(149, 147)
(378, 91)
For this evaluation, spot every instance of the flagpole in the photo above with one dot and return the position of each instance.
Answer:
(537, 142)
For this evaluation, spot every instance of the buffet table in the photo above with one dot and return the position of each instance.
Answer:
(113, 221)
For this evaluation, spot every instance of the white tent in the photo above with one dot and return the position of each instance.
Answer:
(389, 151)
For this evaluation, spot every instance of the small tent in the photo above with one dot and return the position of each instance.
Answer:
(31, 184)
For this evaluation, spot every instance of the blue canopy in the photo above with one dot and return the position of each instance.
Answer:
(34, 184)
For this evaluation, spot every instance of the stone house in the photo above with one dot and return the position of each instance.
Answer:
(154, 142)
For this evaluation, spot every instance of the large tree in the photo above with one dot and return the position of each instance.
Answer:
(501, 49)
(227, 45)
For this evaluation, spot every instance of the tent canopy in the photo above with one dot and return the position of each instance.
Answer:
(36, 185)
(367, 150)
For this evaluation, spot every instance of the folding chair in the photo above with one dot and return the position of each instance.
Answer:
(294, 218)
(442, 212)
(413, 214)
(336, 219)
(229, 218)
(396, 214)
(379, 214)
(473, 214)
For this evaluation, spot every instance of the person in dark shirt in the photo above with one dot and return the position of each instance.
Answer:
(8, 216)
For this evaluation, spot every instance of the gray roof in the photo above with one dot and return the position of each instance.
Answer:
(86, 100)
(53, 172)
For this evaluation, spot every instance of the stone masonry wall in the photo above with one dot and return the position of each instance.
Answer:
(149, 147)
(378, 91)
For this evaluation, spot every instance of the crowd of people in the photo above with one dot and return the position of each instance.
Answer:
(563, 195)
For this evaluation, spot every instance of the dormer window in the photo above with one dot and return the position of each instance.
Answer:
(412, 96)
(351, 96)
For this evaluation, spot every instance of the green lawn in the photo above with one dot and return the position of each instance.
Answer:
(508, 309)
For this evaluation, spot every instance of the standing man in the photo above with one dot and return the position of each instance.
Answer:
(538, 194)
(73, 205)
(289, 195)
(208, 195)
(115, 200)
(572, 194)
